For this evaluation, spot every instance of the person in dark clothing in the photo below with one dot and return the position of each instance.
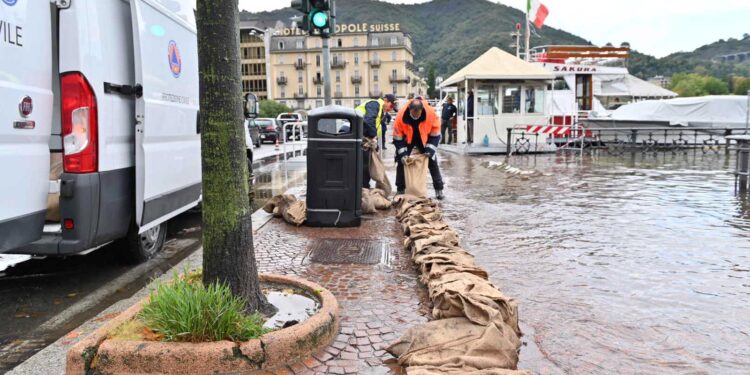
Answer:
(417, 127)
(449, 112)
(374, 112)
(470, 117)
(386, 121)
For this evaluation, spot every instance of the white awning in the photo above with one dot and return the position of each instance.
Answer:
(496, 64)
(631, 86)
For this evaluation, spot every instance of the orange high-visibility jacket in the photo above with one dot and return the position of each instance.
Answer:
(428, 128)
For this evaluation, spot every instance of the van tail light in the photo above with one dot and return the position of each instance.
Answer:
(79, 124)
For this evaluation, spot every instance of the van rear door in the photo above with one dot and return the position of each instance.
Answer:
(26, 78)
(167, 143)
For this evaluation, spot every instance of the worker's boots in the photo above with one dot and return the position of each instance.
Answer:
(439, 194)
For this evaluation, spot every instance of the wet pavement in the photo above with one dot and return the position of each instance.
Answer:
(378, 301)
(628, 264)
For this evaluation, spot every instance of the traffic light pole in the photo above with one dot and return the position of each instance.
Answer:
(326, 70)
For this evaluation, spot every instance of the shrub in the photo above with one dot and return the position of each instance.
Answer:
(185, 310)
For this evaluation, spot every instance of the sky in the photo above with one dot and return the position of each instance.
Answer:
(656, 27)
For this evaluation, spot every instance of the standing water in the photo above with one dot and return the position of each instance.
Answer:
(630, 264)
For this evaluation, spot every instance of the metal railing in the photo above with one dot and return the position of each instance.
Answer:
(281, 80)
(356, 79)
(338, 64)
(375, 62)
(317, 80)
(617, 140)
(299, 65)
(399, 79)
(297, 130)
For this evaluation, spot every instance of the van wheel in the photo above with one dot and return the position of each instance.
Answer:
(138, 248)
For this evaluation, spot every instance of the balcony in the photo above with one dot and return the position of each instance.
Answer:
(338, 64)
(375, 63)
(299, 96)
(317, 80)
(356, 80)
(338, 94)
(299, 65)
(281, 80)
(376, 94)
(399, 79)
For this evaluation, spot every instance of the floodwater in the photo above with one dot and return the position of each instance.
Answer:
(627, 264)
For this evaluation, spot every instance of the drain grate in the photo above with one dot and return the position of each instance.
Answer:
(348, 251)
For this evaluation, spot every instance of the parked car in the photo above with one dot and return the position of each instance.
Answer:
(283, 118)
(292, 130)
(87, 158)
(253, 133)
(269, 130)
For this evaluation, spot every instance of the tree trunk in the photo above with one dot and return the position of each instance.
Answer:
(228, 254)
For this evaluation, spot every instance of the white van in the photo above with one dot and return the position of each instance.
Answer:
(99, 137)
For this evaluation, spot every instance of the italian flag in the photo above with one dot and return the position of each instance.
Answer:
(537, 12)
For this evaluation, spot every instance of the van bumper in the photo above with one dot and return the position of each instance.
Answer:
(20, 230)
(100, 206)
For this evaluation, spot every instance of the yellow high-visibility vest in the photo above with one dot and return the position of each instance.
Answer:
(361, 109)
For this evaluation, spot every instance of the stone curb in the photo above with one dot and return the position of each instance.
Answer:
(271, 350)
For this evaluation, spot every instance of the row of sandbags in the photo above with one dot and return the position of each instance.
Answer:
(294, 211)
(475, 330)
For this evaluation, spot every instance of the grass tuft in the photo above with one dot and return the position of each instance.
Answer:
(185, 310)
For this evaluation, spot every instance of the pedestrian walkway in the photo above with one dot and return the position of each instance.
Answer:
(378, 301)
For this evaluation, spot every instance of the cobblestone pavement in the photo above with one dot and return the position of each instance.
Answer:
(378, 302)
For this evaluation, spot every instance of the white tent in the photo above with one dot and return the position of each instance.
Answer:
(729, 111)
(496, 64)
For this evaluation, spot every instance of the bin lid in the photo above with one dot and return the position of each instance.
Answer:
(333, 111)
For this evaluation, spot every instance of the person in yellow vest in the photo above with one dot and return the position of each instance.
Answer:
(374, 111)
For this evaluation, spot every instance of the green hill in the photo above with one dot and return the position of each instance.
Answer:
(447, 34)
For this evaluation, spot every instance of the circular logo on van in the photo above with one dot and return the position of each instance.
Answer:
(26, 106)
(10, 2)
(175, 62)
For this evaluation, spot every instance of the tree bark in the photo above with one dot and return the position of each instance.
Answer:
(228, 254)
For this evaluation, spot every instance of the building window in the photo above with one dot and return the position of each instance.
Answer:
(338, 102)
(375, 42)
(356, 41)
(339, 43)
(356, 59)
(375, 75)
(356, 90)
(283, 94)
(318, 103)
(338, 76)
(395, 90)
(281, 59)
(338, 88)
(394, 73)
(281, 45)
(320, 90)
(317, 60)
(534, 100)
(300, 79)
(393, 55)
(300, 44)
(511, 100)
(301, 91)
(394, 41)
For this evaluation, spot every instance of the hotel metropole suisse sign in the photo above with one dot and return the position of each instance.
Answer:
(351, 28)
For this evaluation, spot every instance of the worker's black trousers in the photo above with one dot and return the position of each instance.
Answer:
(437, 179)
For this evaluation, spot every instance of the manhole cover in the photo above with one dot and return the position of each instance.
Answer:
(343, 251)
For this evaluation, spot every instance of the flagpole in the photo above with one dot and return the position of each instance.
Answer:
(528, 31)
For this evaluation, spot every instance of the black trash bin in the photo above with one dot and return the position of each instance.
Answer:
(334, 167)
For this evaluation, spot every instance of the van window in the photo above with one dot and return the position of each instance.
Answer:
(181, 8)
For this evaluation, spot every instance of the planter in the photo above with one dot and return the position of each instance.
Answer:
(98, 354)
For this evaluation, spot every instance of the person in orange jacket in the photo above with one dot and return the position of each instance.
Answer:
(417, 126)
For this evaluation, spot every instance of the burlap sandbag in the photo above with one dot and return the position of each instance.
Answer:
(416, 235)
(380, 199)
(473, 297)
(459, 344)
(368, 202)
(295, 213)
(426, 253)
(435, 266)
(432, 370)
(53, 199)
(415, 174)
(287, 207)
(273, 206)
(435, 225)
(445, 238)
(377, 168)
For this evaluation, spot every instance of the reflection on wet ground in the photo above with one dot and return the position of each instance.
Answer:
(630, 264)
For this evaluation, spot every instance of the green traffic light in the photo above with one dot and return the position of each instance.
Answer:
(320, 19)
